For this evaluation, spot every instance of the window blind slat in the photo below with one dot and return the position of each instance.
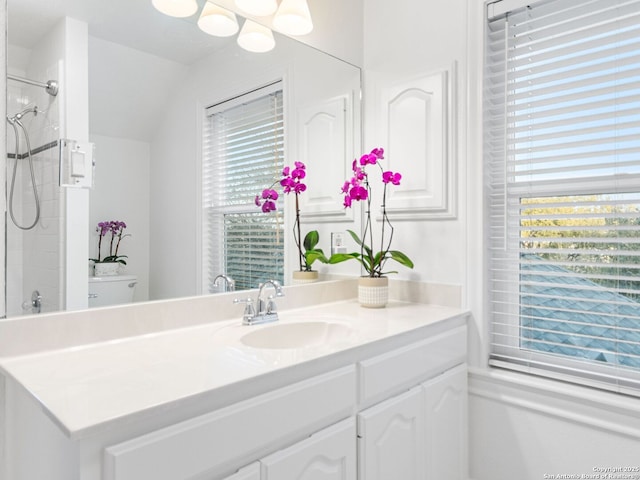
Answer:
(562, 156)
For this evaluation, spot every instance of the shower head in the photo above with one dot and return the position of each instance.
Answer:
(18, 116)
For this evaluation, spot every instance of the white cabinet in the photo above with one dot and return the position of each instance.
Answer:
(391, 441)
(419, 434)
(415, 430)
(400, 369)
(252, 472)
(416, 435)
(398, 413)
(446, 425)
(326, 455)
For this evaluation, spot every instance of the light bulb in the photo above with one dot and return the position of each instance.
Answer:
(255, 37)
(176, 8)
(293, 18)
(218, 21)
(259, 8)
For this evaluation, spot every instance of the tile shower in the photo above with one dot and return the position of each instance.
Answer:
(35, 257)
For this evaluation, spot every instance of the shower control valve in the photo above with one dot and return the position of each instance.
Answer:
(35, 304)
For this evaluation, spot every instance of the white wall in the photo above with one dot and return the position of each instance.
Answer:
(405, 39)
(128, 90)
(121, 192)
(526, 428)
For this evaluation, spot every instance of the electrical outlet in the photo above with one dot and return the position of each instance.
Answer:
(337, 242)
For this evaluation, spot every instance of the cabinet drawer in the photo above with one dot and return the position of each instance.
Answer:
(235, 435)
(385, 375)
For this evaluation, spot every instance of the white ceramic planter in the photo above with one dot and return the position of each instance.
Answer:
(105, 269)
(373, 292)
(300, 278)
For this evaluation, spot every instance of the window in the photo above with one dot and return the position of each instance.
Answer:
(243, 154)
(562, 163)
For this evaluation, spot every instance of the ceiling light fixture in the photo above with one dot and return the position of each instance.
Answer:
(255, 37)
(259, 8)
(218, 21)
(293, 18)
(176, 8)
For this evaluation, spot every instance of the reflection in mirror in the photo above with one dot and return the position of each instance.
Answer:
(137, 86)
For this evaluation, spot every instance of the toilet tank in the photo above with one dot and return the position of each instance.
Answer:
(111, 290)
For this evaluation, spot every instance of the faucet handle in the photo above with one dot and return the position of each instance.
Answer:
(271, 304)
(249, 310)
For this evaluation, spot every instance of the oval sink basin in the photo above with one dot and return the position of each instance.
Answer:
(295, 335)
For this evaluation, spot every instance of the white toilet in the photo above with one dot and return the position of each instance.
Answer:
(111, 290)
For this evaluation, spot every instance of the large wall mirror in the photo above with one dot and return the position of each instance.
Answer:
(136, 84)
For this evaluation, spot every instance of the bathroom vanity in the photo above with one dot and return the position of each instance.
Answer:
(331, 391)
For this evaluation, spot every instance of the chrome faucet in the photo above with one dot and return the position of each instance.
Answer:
(230, 284)
(266, 310)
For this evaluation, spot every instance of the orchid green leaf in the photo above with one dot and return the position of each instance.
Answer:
(313, 255)
(311, 239)
(342, 257)
(401, 258)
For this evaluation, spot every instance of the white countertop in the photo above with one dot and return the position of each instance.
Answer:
(89, 386)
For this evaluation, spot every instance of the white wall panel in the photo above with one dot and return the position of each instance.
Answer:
(416, 125)
(325, 140)
(526, 428)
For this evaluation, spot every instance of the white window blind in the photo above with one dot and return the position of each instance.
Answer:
(243, 154)
(562, 163)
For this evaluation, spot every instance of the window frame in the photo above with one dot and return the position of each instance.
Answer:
(500, 355)
(206, 273)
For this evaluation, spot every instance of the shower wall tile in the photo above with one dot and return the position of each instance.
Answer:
(36, 255)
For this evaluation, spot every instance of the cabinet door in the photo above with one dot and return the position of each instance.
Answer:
(391, 439)
(251, 472)
(446, 425)
(327, 455)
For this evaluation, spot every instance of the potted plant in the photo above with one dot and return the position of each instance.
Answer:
(372, 288)
(309, 256)
(291, 182)
(110, 264)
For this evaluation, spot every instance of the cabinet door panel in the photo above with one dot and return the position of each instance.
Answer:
(327, 455)
(391, 439)
(446, 425)
(252, 472)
